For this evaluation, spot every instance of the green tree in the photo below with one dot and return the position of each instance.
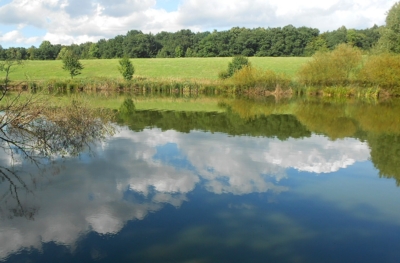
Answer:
(190, 53)
(47, 51)
(62, 53)
(94, 51)
(72, 64)
(179, 52)
(390, 39)
(315, 45)
(31, 53)
(336, 37)
(355, 38)
(139, 45)
(6, 67)
(126, 68)
(237, 63)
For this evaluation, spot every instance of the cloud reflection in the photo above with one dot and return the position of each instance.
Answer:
(134, 175)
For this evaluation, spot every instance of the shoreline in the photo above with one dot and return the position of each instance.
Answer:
(206, 87)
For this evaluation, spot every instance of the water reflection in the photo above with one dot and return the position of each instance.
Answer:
(141, 172)
(32, 136)
(171, 184)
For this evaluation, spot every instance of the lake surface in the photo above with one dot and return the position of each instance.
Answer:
(294, 181)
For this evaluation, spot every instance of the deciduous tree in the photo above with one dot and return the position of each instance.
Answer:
(72, 64)
(126, 68)
(390, 39)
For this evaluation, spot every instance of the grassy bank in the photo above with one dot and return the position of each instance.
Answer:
(340, 73)
(165, 68)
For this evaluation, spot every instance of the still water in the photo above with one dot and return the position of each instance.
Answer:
(317, 183)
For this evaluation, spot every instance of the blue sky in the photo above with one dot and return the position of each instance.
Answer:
(29, 22)
(168, 5)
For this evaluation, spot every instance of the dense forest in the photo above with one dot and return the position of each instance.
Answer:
(271, 42)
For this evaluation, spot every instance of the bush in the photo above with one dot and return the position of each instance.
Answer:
(381, 70)
(337, 67)
(249, 77)
(236, 64)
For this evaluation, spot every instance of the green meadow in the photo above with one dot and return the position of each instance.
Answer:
(174, 68)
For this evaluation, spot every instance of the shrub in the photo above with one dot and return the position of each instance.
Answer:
(236, 64)
(381, 70)
(249, 77)
(223, 74)
(331, 68)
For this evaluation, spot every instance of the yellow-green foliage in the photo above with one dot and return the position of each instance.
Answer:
(331, 68)
(252, 108)
(326, 118)
(250, 77)
(379, 118)
(381, 70)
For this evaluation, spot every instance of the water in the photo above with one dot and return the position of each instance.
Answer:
(217, 187)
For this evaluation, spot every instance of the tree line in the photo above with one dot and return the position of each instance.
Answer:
(272, 42)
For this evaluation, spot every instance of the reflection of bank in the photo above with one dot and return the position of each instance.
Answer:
(140, 173)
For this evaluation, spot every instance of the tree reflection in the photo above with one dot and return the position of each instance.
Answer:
(378, 123)
(281, 126)
(385, 155)
(327, 118)
(35, 133)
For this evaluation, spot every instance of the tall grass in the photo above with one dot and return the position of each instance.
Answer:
(137, 85)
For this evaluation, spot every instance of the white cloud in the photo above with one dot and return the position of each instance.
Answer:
(72, 21)
(15, 36)
(317, 155)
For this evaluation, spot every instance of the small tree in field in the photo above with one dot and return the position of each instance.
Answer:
(72, 64)
(126, 68)
(5, 66)
(236, 64)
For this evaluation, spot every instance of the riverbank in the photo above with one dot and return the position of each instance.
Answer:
(194, 87)
(267, 76)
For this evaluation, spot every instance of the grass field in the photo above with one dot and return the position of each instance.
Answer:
(176, 68)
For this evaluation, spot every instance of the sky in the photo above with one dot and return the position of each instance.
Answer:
(24, 23)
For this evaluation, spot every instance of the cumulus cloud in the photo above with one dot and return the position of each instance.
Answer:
(317, 155)
(77, 21)
(16, 36)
